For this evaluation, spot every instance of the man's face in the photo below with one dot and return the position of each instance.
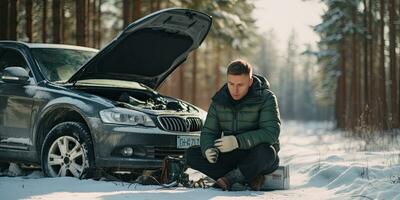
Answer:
(239, 85)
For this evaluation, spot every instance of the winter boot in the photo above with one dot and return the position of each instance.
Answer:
(234, 176)
(257, 182)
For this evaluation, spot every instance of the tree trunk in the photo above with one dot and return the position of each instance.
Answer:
(355, 92)
(152, 5)
(12, 32)
(382, 102)
(371, 71)
(158, 4)
(81, 22)
(44, 21)
(367, 105)
(206, 84)
(217, 67)
(393, 66)
(341, 90)
(89, 24)
(373, 86)
(290, 91)
(127, 13)
(94, 23)
(137, 6)
(372, 119)
(4, 19)
(194, 78)
(57, 21)
(28, 15)
(182, 81)
(98, 30)
(398, 63)
(62, 20)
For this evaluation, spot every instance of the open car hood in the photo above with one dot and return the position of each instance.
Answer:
(150, 49)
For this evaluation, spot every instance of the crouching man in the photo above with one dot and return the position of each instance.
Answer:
(239, 141)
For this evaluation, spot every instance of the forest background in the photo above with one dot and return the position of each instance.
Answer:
(351, 76)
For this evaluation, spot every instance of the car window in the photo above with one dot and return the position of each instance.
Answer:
(12, 58)
(57, 64)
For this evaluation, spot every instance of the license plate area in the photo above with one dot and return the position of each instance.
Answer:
(184, 142)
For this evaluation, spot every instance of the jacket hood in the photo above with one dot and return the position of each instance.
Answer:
(255, 93)
(150, 49)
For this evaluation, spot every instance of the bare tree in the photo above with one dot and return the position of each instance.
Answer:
(367, 65)
(152, 5)
(58, 16)
(137, 12)
(127, 12)
(95, 23)
(44, 21)
(182, 81)
(341, 89)
(98, 16)
(28, 16)
(12, 23)
(371, 71)
(382, 101)
(158, 4)
(194, 77)
(393, 67)
(217, 83)
(4, 19)
(81, 37)
(355, 77)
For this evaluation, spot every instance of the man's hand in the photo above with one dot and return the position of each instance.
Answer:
(226, 143)
(212, 155)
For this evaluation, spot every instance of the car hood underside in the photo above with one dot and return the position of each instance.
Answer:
(150, 49)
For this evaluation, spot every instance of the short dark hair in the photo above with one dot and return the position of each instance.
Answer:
(239, 67)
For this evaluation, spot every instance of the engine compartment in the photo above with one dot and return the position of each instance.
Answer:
(143, 99)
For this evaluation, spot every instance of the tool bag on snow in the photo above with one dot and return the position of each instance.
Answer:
(173, 172)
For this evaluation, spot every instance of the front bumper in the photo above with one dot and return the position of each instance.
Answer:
(153, 143)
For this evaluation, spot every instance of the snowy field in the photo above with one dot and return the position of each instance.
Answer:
(323, 165)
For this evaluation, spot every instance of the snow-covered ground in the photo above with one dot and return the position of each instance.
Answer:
(323, 165)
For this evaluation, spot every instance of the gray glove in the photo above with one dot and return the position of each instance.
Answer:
(212, 155)
(226, 143)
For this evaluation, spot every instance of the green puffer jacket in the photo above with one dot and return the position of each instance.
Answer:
(254, 119)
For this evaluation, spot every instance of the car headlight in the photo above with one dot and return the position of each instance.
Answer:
(203, 114)
(125, 116)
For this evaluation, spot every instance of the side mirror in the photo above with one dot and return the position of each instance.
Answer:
(15, 75)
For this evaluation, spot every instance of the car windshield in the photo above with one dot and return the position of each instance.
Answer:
(58, 64)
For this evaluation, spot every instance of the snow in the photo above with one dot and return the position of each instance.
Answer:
(17, 140)
(323, 165)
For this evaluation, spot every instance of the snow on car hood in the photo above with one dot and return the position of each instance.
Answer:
(150, 49)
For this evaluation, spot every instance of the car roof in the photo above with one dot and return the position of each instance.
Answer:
(45, 45)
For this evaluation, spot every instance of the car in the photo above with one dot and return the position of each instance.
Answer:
(74, 110)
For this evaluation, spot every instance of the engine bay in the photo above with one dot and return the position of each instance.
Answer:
(143, 99)
(154, 103)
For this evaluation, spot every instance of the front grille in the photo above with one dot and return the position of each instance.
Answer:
(180, 124)
(162, 152)
(195, 123)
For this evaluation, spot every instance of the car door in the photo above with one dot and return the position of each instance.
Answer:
(15, 104)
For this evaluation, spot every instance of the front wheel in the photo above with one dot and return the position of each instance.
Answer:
(68, 151)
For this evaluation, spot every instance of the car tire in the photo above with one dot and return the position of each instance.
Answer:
(68, 151)
(4, 166)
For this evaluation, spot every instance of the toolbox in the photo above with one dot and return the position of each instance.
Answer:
(277, 180)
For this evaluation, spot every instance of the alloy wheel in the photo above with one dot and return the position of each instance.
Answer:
(66, 157)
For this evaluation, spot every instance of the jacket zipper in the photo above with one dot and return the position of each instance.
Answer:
(234, 121)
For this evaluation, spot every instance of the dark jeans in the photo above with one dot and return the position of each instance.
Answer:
(261, 159)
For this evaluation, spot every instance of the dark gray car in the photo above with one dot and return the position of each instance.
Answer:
(75, 109)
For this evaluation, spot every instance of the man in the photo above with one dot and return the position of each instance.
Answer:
(239, 141)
